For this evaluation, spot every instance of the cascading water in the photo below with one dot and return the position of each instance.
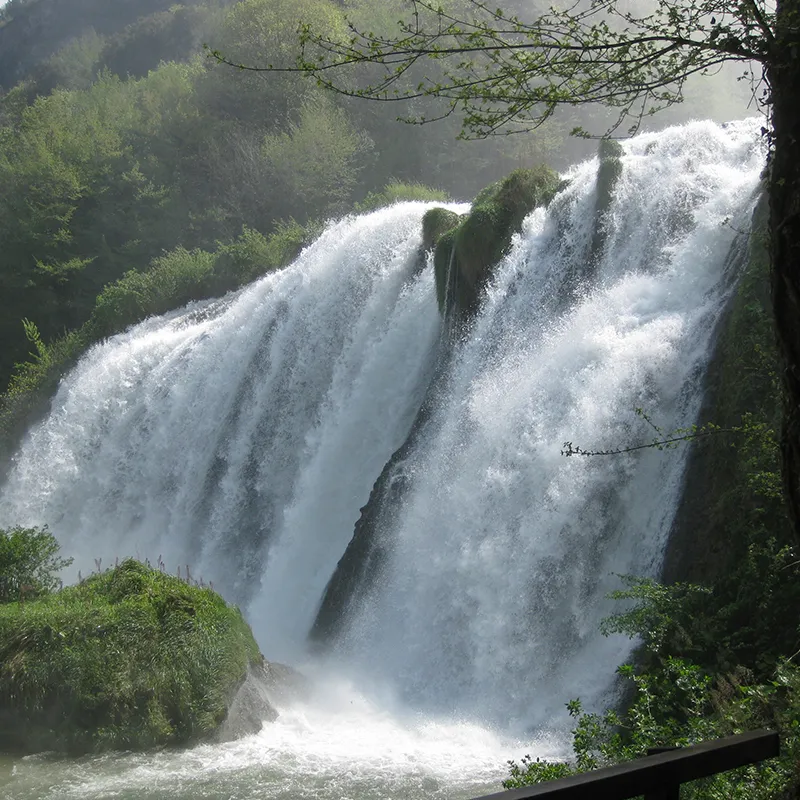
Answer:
(242, 437)
(503, 550)
(198, 437)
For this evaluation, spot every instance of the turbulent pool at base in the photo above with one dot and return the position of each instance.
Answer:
(242, 437)
(342, 745)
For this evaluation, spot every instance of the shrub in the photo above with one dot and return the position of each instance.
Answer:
(174, 279)
(29, 563)
(399, 192)
(253, 255)
(673, 702)
(130, 658)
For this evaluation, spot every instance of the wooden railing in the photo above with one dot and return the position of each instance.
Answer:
(656, 777)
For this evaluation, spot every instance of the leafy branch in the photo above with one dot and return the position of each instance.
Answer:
(662, 441)
(508, 75)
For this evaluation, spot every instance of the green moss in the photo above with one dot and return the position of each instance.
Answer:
(435, 223)
(732, 528)
(484, 236)
(128, 659)
(444, 269)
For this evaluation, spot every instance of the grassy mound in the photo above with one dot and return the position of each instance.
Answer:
(465, 256)
(128, 659)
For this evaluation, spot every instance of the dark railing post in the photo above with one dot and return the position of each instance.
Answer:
(669, 791)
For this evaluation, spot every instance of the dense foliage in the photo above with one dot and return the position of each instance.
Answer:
(174, 279)
(29, 563)
(676, 702)
(129, 658)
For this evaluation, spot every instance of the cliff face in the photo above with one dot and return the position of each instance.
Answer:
(731, 488)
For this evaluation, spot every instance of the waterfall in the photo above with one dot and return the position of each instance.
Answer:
(242, 436)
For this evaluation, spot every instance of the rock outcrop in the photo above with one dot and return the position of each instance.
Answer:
(466, 254)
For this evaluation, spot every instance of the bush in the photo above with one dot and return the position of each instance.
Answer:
(400, 192)
(130, 658)
(29, 563)
(673, 702)
(253, 255)
(174, 279)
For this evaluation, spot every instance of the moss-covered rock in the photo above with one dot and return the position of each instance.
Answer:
(361, 566)
(445, 271)
(128, 659)
(732, 483)
(610, 153)
(465, 256)
(362, 563)
(436, 223)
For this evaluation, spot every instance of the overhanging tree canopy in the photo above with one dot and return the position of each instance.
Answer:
(506, 74)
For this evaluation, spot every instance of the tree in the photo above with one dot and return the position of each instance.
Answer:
(505, 75)
(29, 563)
(313, 166)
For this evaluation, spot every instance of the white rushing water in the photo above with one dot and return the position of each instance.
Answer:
(242, 437)
(338, 744)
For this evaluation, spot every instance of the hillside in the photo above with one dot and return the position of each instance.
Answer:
(33, 31)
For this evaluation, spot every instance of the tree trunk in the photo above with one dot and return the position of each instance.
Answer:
(784, 199)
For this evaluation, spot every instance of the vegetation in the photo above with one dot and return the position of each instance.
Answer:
(174, 279)
(29, 563)
(140, 175)
(507, 74)
(676, 702)
(399, 192)
(130, 658)
(466, 254)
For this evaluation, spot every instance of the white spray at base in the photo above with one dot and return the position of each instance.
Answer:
(243, 436)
